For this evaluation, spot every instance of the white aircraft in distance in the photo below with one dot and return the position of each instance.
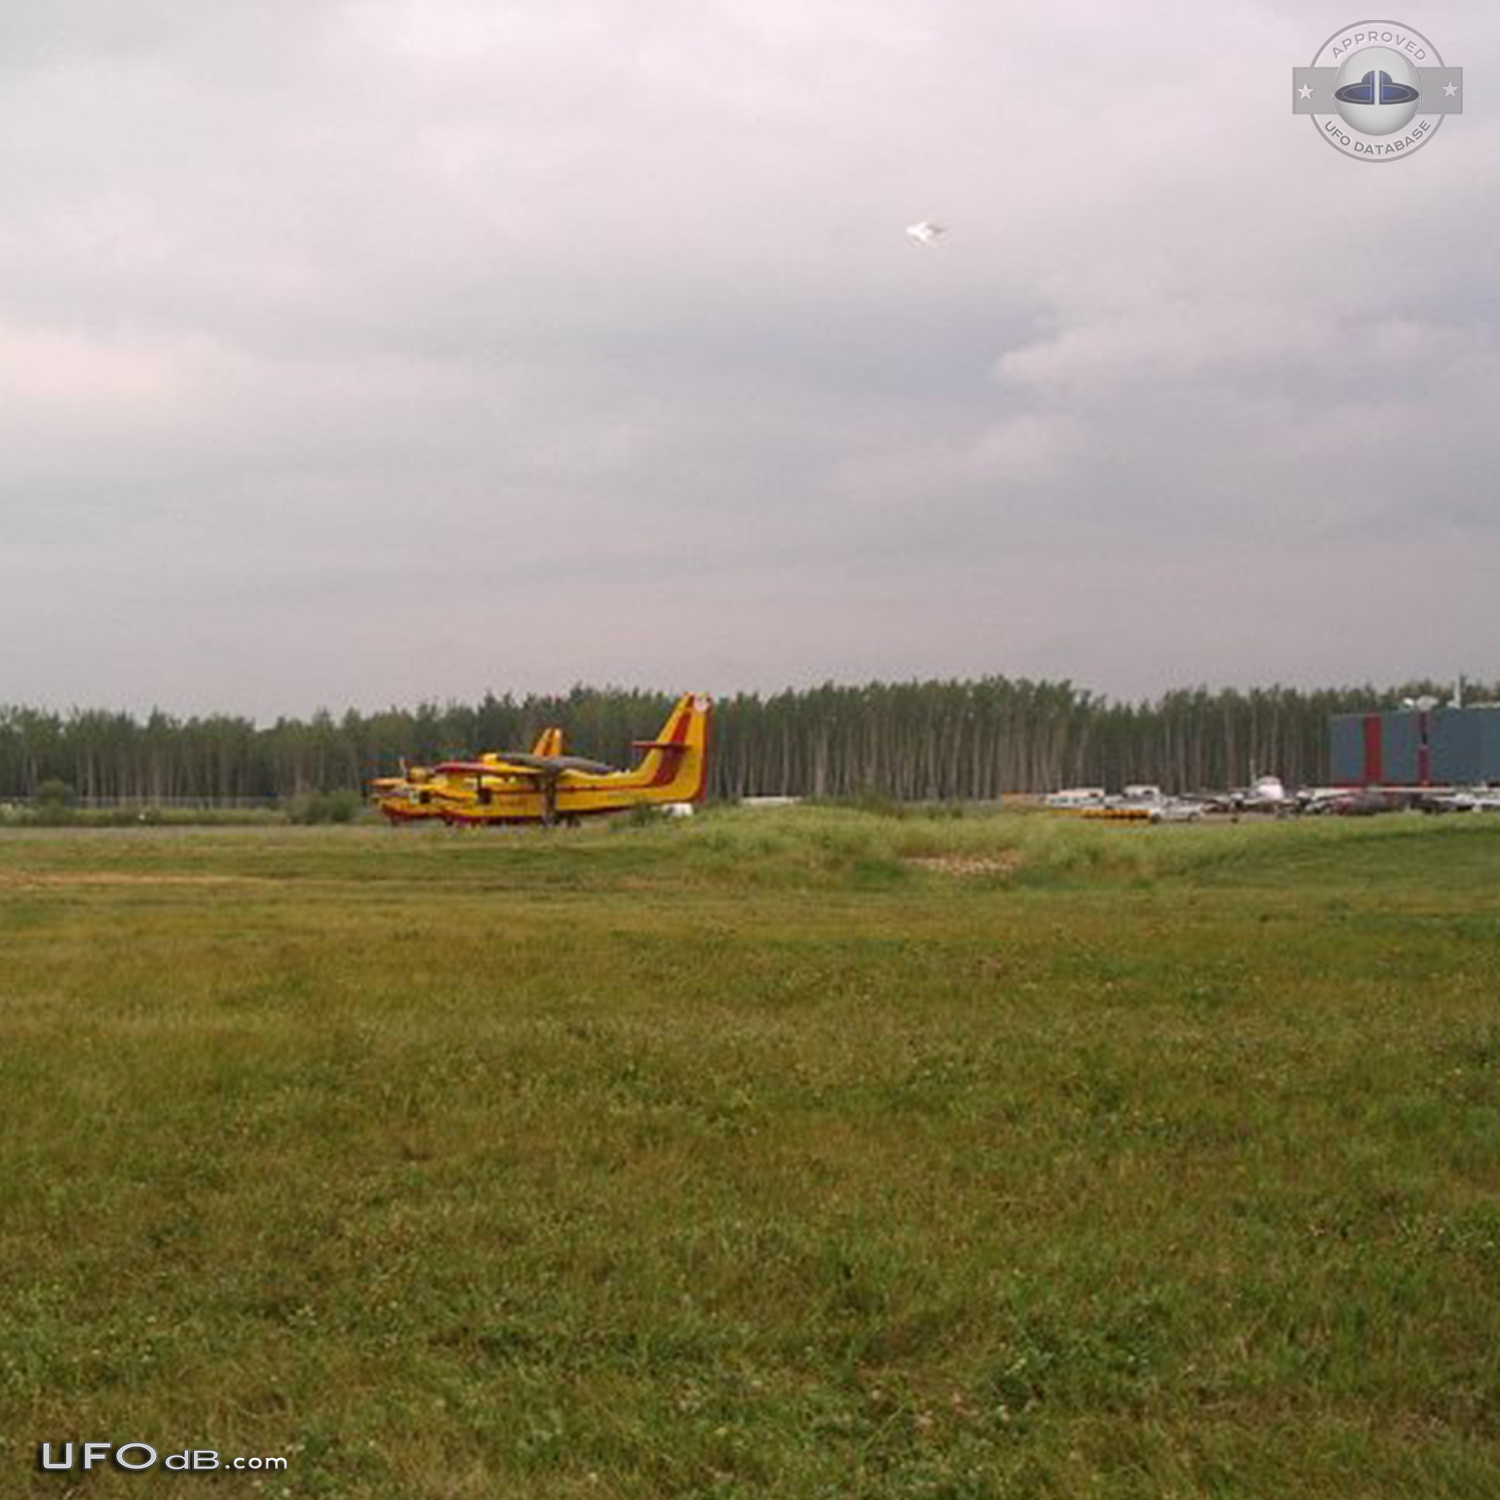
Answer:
(926, 232)
(1268, 794)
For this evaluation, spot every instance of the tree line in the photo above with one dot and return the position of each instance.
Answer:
(910, 741)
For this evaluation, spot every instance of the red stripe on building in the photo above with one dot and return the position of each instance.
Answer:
(1374, 756)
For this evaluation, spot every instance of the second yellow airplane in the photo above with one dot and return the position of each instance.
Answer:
(420, 792)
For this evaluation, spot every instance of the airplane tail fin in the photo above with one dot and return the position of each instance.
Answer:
(674, 767)
(549, 742)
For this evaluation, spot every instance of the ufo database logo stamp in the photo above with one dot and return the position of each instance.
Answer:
(1377, 90)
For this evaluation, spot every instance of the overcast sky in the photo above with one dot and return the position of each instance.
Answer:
(355, 354)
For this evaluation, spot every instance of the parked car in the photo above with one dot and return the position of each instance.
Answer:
(1364, 804)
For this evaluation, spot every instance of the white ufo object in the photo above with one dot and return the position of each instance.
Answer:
(926, 232)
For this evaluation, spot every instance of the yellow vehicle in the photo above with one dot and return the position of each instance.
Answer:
(423, 792)
(552, 788)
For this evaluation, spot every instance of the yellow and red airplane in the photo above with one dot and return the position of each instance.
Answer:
(421, 792)
(552, 787)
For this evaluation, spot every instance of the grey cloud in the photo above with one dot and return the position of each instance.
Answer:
(340, 344)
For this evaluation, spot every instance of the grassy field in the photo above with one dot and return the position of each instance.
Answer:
(808, 1153)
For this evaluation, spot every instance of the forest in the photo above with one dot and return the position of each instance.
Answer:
(907, 741)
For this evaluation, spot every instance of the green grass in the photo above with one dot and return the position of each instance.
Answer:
(817, 1152)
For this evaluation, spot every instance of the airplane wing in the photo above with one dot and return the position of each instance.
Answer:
(486, 768)
(556, 765)
(536, 767)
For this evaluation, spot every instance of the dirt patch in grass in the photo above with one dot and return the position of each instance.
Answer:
(967, 865)
(10, 879)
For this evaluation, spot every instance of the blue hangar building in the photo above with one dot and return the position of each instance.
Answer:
(1416, 747)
